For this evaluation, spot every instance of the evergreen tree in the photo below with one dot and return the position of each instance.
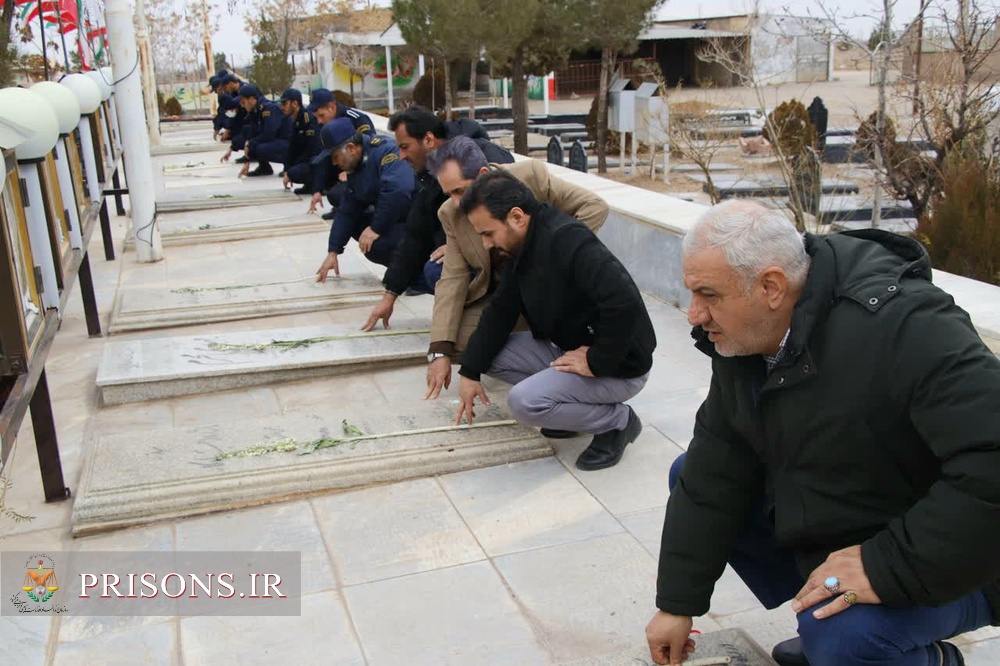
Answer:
(272, 71)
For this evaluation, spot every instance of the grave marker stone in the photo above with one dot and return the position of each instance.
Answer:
(554, 151)
(578, 157)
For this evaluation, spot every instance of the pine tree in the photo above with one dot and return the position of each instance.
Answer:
(271, 69)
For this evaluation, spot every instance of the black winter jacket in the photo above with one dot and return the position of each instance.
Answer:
(572, 291)
(880, 427)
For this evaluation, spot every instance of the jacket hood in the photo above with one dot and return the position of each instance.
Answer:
(465, 127)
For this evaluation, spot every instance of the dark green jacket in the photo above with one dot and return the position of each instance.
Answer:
(881, 427)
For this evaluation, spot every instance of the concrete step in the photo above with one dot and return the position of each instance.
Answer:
(155, 368)
(165, 306)
(130, 480)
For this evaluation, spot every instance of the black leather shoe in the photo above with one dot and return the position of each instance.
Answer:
(240, 160)
(789, 653)
(606, 449)
(261, 170)
(302, 190)
(329, 215)
(552, 433)
(950, 654)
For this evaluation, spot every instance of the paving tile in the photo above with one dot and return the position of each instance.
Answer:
(225, 406)
(23, 639)
(289, 526)
(984, 634)
(394, 530)
(766, 627)
(637, 482)
(526, 505)
(588, 598)
(460, 615)
(675, 415)
(322, 634)
(647, 527)
(152, 645)
(983, 653)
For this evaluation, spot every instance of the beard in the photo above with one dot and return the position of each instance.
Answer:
(754, 339)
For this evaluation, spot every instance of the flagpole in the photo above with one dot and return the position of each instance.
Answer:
(62, 35)
(45, 51)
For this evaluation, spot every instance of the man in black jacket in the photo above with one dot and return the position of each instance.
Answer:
(417, 262)
(848, 453)
(591, 342)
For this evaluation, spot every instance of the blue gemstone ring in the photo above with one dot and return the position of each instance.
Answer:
(832, 585)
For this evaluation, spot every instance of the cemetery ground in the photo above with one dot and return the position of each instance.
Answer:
(486, 548)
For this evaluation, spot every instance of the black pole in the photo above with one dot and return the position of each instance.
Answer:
(62, 35)
(45, 51)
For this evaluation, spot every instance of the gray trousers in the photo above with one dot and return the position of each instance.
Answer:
(547, 398)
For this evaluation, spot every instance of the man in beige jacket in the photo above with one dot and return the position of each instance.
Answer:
(470, 270)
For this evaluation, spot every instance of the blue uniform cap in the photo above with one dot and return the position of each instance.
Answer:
(320, 97)
(249, 90)
(291, 95)
(334, 134)
(228, 78)
(213, 82)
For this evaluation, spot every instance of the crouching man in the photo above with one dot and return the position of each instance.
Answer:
(590, 345)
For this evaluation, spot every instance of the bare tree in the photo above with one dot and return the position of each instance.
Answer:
(740, 56)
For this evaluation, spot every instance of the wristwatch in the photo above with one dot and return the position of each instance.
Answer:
(433, 356)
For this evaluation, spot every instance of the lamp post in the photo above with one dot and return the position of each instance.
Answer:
(33, 112)
(67, 110)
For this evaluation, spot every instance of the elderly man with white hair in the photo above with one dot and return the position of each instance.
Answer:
(847, 456)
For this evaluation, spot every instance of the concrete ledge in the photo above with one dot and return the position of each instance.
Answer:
(179, 204)
(181, 148)
(129, 480)
(235, 233)
(154, 368)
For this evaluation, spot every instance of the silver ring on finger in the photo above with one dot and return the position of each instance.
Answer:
(832, 585)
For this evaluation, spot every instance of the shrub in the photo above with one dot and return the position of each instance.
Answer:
(172, 107)
(429, 91)
(789, 128)
(344, 99)
(962, 229)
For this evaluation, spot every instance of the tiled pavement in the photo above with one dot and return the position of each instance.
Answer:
(530, 563)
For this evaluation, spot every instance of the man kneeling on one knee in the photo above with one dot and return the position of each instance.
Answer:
(591, 342)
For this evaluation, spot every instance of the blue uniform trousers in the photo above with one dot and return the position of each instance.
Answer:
(270, 151)
(862, 635)
(385, 247)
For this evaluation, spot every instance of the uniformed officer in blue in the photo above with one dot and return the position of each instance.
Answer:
(228, 122)
(379, 192)
(327, 178)
(304, 145)
(266, 133)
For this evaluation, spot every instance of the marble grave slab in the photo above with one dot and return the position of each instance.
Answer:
(155, 368)
(130, 479)
(180, 305)
(716, 648)
(236, 224)
(205, 200)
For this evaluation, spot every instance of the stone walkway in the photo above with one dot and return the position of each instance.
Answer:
(528, 563)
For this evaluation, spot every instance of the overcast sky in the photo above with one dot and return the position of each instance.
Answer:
(856, 14)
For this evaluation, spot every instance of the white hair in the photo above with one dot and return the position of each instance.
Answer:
(752, 237)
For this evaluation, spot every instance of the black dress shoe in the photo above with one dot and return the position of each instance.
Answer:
(606, 449)
(950, 654)
(329, 215)
(302, 190)
(552, 433)
(261, 170)
(789, 653)
(240, 160)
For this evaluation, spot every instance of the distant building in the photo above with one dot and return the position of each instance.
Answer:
(782, 48)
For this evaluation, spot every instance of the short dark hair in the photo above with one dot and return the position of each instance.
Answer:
(418, 121)
(464, 151)
(499, 192)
